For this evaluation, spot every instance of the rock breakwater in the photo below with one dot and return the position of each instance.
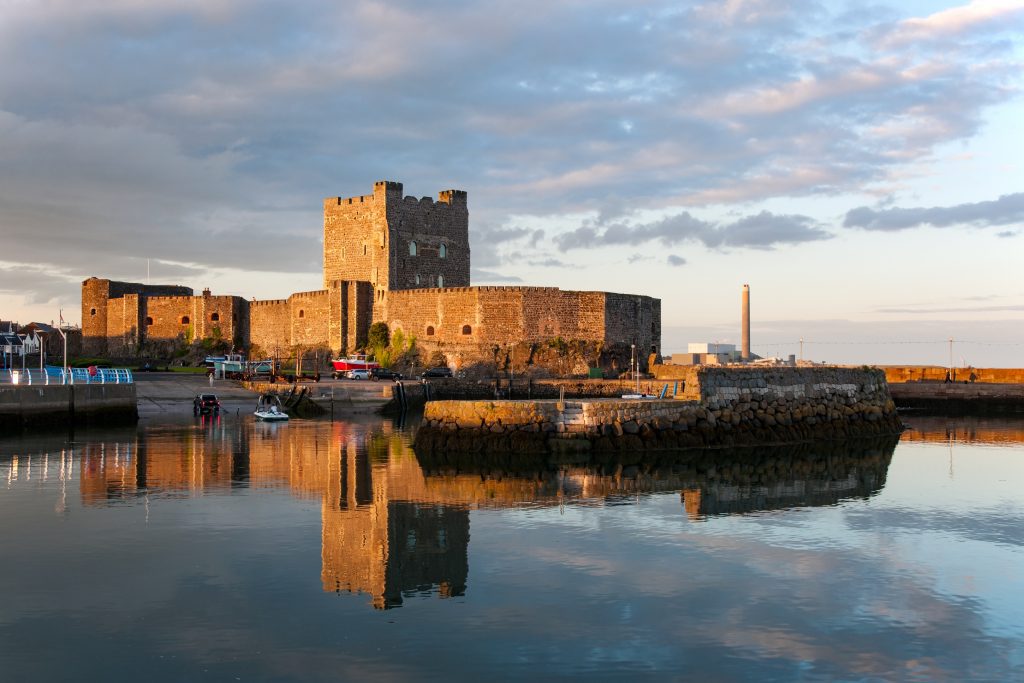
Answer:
(719, 407)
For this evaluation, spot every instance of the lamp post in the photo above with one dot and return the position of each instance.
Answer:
(634, 363)
(65, 365)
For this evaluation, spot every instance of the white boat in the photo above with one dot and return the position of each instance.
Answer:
(269, 409)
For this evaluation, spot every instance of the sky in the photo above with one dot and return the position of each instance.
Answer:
(859, 165)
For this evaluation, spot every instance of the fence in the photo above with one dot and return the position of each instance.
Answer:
(53, 374)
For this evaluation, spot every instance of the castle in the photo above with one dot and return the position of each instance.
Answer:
(386, 258)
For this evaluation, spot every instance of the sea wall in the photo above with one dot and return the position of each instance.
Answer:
(895, 374)
(42, 405)
(977, 398)
(719, 407)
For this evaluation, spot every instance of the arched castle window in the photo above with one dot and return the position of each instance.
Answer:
(442, 251)
(215, 317)
(412, 248)
(416, 279)
(430, 330)
(466, 329)
(302, 313)
(364, 250)
(184, 320)
(440, 280)
(92, 311)
(149, 320)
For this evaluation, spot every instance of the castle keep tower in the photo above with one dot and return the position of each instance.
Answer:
(396, 242)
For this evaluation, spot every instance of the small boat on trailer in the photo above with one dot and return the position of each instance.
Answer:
(269, 409)
(355, 362)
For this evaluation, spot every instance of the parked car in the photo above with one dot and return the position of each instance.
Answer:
(438, 372)
(204, 404)
(384, 373)
(358, 374)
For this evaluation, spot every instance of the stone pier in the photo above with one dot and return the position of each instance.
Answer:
(718, 407)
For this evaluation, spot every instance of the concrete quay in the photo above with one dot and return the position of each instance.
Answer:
(720, 407)
(976, 398)
(66, 405)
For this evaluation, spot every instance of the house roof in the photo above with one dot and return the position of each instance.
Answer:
(10, 339)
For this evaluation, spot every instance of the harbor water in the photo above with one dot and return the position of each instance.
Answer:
(223, 549)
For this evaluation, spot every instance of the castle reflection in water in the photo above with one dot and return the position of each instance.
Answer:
(392, 525)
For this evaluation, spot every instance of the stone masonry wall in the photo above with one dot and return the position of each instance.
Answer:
(270, 326)
(440, 231)
(96, 296)
(369, 238)
(355, 236)
(732, 407)
(472, 321)
(310, 318)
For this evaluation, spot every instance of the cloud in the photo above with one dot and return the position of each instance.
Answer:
(553, 263)
(208, 133)
(479, 275)
(1007, 210)
(764, 230)
(955, 309)
(956, 21)
(674, 260)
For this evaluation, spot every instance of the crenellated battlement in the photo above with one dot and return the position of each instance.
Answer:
(308, 295)
(452, 197)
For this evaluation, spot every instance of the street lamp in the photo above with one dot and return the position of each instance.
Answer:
(634, 366)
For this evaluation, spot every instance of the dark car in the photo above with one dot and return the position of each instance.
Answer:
(438, 372)
(383, 373)
(204, 404)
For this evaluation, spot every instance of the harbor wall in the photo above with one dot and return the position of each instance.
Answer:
(895, 374)
(720, 407)
(42, 405)
(978, 398)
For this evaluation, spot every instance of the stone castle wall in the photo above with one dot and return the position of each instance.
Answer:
(96, 295)
(269, 325)
(474, 320)
(386, 257)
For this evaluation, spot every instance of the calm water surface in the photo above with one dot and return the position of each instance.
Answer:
(229, 550)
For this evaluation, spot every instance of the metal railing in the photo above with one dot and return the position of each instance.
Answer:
(53, 374)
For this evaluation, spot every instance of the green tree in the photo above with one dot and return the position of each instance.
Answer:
(378, 337)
